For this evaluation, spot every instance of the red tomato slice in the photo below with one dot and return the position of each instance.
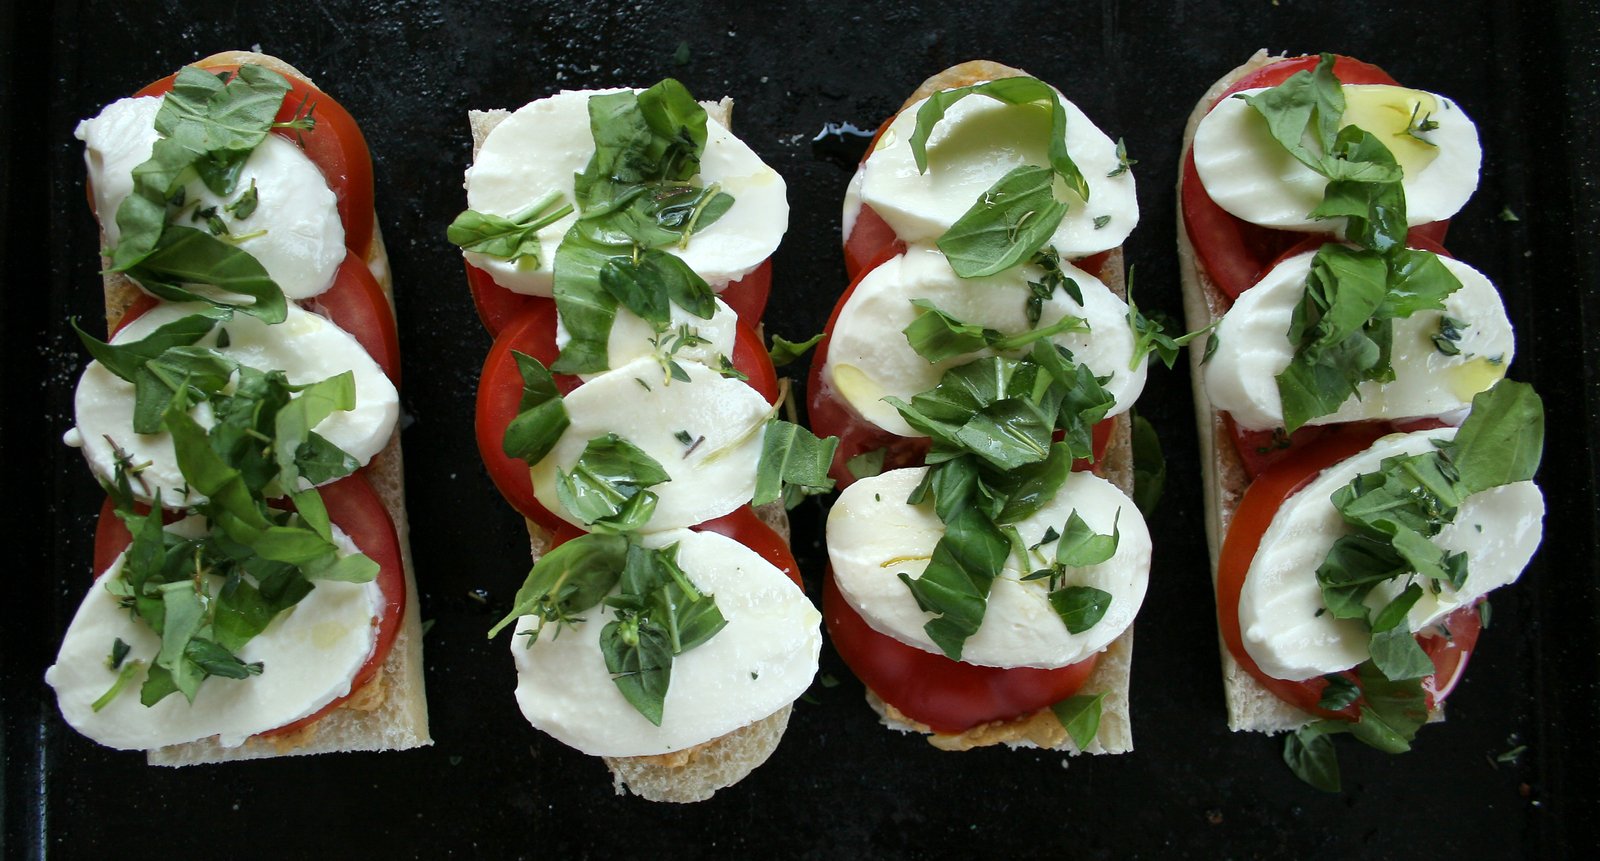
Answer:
(1260, 449)
(356, 303)
(742, 525)
(1233, 252)
(142, 303)
(871, 241)
(497, 306)
(949, 696)
(336, 146)
(748, 296)
(533, 332)
(354, 507)
(1250, 521)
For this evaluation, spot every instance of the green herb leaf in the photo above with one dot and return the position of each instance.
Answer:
(792, 457)
(1309, 753)
(785, 351)
(586, 308)
(1012, 91)
(1395, 710)
(125, 360)
(1149, 466)
(1150, 334)
(1080, 607)
(1080, 715)
(1396, 654)
(128, 671)
(508, 238)
(185, 259)
(955, 585)
(606, 488)
(541, 415)
(1011, 221)
(570, 579)
(1339, 694)
(638, 655)
(1502, 440)
(867, 463)
(1080, 546)
(937, 336)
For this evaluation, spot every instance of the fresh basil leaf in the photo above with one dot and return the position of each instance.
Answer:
(1310, 754)
(1080, 716)
(184, 614)
(508, 238)
(542, 415)
(294, 421)
(1336, 347)
(1416, 281)
(320, 461)
(182, 375)
(937, 336)
(1395, 710)
(651, 285)
(1365, 189)
(867, 463)
(587, 309)
(785, 351)
(158, 684)
(1081, 546)
(214, 660)
(606, 488)
(125, 360)
(1012, 91)
(1307, 103)
(230, 502)
(1354, 565)
(1396, 654)
(569, 579)
(1030, 487)
(1008, 223)
(1340, 693)
(638, 654)
(792, 456)
(185, 258)
(955, 585)
(1394, 613)
(1502, 440)
(1149, 466)
(1080, 607)
(678, 123)
(125, 674)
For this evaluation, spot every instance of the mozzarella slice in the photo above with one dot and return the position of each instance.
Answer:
(1286, 630)
(539, 149)
(295, 231)
(641, 404)
(1251, 176)
(761, 661)
(310, 655)
(852, 205)
(873, 536)
(979, 141)
(1253, 348)
(305, 346)
(631, 337)
(869, 357)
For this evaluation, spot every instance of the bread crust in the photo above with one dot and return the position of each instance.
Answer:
(1251, 707)
(1111, 675)
(390, 712)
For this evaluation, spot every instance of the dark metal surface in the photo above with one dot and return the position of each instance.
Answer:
(409, 69)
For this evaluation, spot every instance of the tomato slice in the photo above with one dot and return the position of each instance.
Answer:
(1233, 252)
(498, 306)
(354, 507)
(742, 525)
(336, 146)
(949, 696)
(141, 303)
(871, 241)
(357, 304)
(533, 332)
(1250, 521)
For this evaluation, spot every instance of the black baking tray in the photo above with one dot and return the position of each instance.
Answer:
(839, 785)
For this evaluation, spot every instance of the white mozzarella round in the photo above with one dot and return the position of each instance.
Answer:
(305, 346)
(301, 239)
(641, 404)
(1286, 630)
(869, 357)
(631, 337)
(761, 661)
(543, 145)
(1249, 174)
(979, 141)
(852, 205)
(309, 655)
(1253, 348)
(874, 535)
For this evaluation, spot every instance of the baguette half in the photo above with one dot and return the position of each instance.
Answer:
(1251, 707)
(390, 712)
(695, 773)
(1042, 729)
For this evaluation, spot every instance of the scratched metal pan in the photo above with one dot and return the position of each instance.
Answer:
(409, 70)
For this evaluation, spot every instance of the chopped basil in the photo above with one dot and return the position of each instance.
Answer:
(1080, 607)
(1150, 334)
(785, 351)
(1448, 338)
(1310, 754)
(867, 463)
(1012, 91)
(607, 488)
(1123, 162)
(937, 336)
(1149, 466)
(1006, 225)
(541, 415)
(1340, 693)
(1080, 716)
(791, 457)
(513, 237)
(1041, 290)
(119, 653)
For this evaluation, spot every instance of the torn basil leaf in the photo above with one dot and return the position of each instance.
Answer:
(1080, 716)
(1007, 224)
(1011, 91)
(511, 238)
(1149, 466)
(785, 351)
(1080, 607)
(1310, 754)
(792, 457)
(541, 414)
(607, 487)
(937, 336)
